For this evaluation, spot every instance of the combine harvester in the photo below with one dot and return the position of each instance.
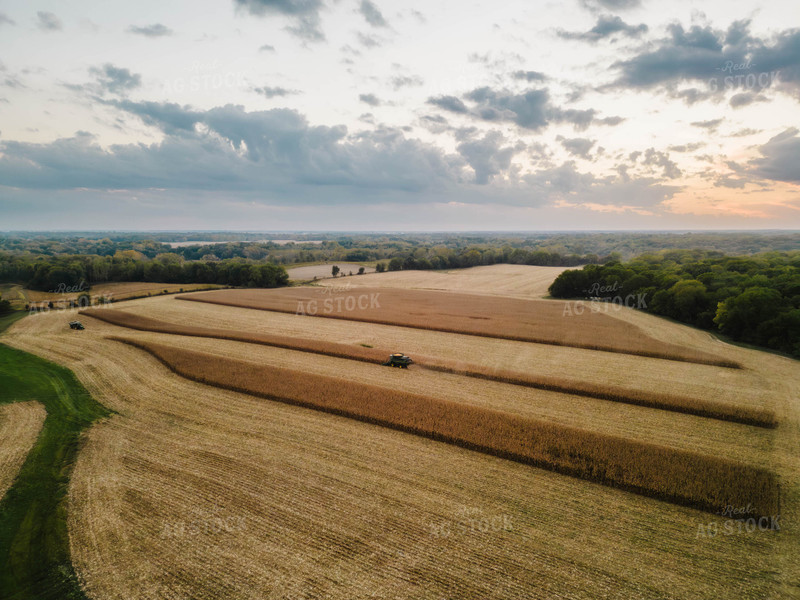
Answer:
(398, 359)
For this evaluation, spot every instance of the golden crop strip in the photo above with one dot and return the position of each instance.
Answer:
(705, 408)
(747, 415)
(683, 477)
(537, 321)
(132, 321)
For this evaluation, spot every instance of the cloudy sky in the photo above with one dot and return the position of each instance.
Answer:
(399, 115)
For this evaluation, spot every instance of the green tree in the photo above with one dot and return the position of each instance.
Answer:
(782, 332)
(84, 300)
(334, 270)
(571, 284)
(741, 316)
(689, 298)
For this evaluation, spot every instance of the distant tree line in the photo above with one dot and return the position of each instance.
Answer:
(445, 258)
(48, 273)
(752, 299)
(51, 273)
(437, 248)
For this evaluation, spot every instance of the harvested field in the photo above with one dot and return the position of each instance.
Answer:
(723, 411)
(20, 424)
(739, 387)
(686, 478)
(540, 322)
(13, 293)
(743, 443)
(115, 291)
(34, 543)
(125, 319)
(716, 410)
(518, 281)
(197, 492)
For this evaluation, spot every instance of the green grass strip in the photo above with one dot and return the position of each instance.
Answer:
(34, 543)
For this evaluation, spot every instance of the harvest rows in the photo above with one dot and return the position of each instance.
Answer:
(687, 478)
(706, 408)
(334, 508)
(541, 322)
(660, 472)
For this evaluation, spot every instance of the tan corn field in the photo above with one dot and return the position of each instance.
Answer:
(739, 387)
(539, 321)
(751, 445)
(514, 281)
(132, 321)
(117, 290)
(700, 481)
(716, 410)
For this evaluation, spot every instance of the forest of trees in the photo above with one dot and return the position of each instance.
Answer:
(44, 272)
(48, 273)
(753, 299)
(437, 248)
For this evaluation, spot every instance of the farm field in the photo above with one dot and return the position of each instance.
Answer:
(116, 291)
(488, 301)
(194, 491)
(738, 386)
(518, 281)
(746, 443)
(366, 353)
(20, 423)
(541, 321)
(34, 540)
(323, 271)
(689, 478)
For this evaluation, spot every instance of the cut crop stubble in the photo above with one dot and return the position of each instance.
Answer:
(688, 478)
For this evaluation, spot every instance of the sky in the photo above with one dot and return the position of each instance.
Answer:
(371, 115)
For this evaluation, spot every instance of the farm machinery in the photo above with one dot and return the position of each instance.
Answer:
(398, 359)
(76, 325)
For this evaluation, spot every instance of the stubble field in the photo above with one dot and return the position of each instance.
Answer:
(20, 424)
(193, 491)
(512, 281)
(20, 296)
